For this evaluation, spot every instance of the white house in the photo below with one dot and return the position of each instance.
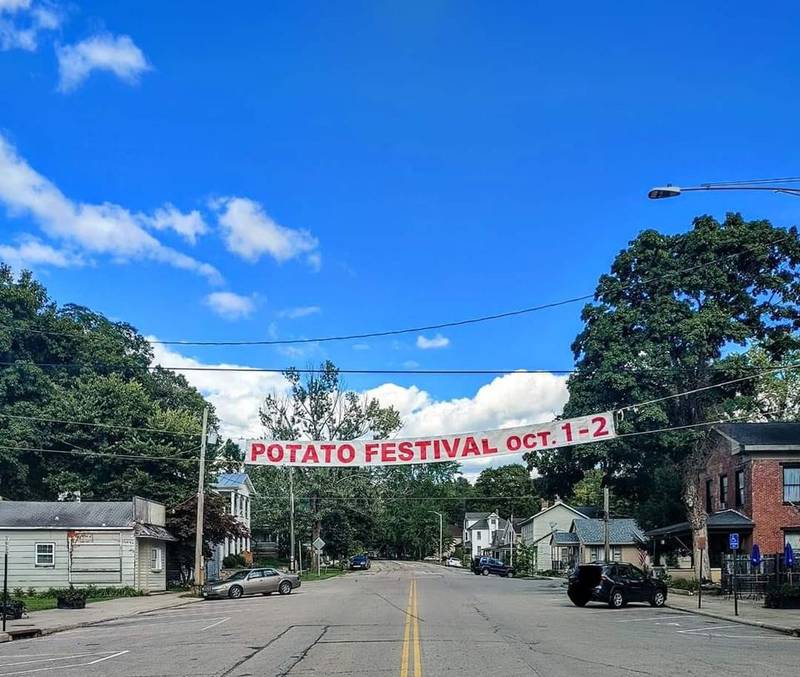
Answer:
(536, 530)
(107, 544)
(237, 489)
(479, 531)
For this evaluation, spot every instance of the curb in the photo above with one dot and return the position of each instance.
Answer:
(4, 637)
(88, 624)
(794, 632)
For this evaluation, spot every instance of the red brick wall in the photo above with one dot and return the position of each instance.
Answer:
(769, 512)
(722, 462)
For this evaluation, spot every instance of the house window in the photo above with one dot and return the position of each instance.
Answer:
(616, 553)
(739, 488)
(155, 559)
(793, 539)
(45, 554)
(477, 535)
(709, 497)
(791, 484)
(723, 492)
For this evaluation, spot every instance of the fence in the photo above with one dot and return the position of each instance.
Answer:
(753, 580)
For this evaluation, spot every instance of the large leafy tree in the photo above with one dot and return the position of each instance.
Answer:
(675, 313)
(60, 365)
(319, 407)
(508, 489)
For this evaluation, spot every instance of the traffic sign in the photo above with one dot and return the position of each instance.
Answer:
(318, 543)
(733, 541)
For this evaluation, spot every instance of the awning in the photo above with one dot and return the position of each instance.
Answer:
(723, 521)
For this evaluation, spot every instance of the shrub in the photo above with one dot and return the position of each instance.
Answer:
(18, 592)
(776, 595)
(689, 584)
(233, 562)
(72, 594)
(31, 592)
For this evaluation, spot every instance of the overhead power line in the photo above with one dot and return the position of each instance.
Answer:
(86, 452)
(114, 426)
(432, 326)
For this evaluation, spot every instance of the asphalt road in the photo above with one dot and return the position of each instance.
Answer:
(408, 619)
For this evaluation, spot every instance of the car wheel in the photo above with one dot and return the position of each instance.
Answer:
(235, 592)
(285, 588)
(658, 599)
(477, 573)
(510, 574)
(485, 571)
(616, 600)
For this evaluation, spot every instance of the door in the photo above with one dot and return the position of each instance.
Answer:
(271, 580)
(255, 582)
(634, 583)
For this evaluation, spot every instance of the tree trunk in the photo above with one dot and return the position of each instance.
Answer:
(695, 509)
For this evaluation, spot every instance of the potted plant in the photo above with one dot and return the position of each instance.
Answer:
(71, 598)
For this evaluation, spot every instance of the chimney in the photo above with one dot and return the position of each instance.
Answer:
(545, 504)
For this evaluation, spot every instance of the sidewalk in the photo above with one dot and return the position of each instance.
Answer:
(751, 612)
(58, 620)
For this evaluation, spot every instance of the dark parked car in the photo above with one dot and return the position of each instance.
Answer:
(614, 584)
(359, 562)
(489, 565)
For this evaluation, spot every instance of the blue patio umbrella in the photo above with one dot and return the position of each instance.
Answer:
(788, 555)
(755, 555)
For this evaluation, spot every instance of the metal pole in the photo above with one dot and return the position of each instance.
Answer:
(300, 557)
(511, 557)
(291, 518)
(5, 585)
(733, 582)
(198, 544)
(441, 554)
(605, 525)
(700, 583)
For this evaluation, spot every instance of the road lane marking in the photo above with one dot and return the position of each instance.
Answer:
(65, 667)
(704, 629)
(417, 648)
(50, 660)
(208, 627)
(657, 617)
(406, 633)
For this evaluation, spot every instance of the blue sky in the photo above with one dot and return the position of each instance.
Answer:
(386, 164)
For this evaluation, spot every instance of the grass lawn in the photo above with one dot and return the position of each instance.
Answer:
(312, 575)
(44, 603)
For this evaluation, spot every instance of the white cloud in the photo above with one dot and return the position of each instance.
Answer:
(22, 22)
(188, 226)
(511, 400)
(229, 305)
(411, 364)
(361, 346)
(250, 233)
(236, 396)
(31, 252)
(102, 52)
(95, 228)
(438, 341)
(300, 311)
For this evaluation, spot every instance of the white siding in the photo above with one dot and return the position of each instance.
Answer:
(102, 558)
(558, 517)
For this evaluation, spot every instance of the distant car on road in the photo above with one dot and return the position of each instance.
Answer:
(453, 562)
(483, 566)
(359, 562)
(252, 582)
(614, 584)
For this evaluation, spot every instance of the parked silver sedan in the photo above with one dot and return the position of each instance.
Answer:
(252, 582)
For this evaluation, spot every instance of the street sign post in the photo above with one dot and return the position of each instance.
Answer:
(733, 544)
(701, 546)
(318, 544)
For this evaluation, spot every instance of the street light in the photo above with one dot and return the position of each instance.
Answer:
(663, 192)
(440, 533)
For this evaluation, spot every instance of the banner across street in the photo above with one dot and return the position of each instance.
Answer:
(405, 451)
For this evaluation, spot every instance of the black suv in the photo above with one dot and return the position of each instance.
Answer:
(489, 565)
(615, 584)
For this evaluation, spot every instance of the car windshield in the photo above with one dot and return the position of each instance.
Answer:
(239, 575)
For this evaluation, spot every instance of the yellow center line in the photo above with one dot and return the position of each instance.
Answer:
(417, 649)
(411, 636)
(406, 633)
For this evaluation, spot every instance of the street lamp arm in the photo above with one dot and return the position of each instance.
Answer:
(662, 192)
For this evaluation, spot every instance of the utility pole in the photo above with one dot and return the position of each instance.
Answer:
(291, 518)
(5, 585)
(511, 556)
(198, 544)
(605, 525)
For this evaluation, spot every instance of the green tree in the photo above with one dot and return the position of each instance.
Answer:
(508, 489)
(319, 407)
(669, 317)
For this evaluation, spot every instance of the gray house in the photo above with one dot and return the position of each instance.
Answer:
(108, 544)
(585, 542)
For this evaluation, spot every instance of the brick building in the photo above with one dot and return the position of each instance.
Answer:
(751, 486)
